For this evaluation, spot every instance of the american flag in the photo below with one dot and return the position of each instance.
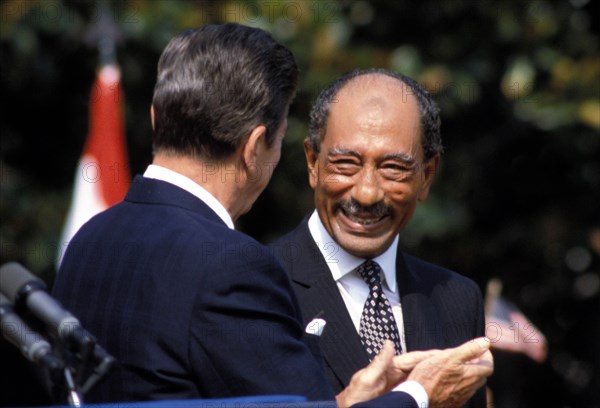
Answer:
(508, 329)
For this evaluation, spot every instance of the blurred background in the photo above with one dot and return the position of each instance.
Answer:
(518, 195)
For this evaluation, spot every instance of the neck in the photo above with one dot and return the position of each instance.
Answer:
(223, 179)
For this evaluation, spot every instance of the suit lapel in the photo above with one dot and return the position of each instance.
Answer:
(340, 342)
(421, 320)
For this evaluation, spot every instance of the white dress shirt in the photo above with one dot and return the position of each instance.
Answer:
(162, 173)
(352, 287)
(354, 290)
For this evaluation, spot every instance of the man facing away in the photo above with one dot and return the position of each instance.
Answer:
(190, 307)
(373, 149)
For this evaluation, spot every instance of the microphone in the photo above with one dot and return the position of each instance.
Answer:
(104, 363)
(22, 287)
(33, 346)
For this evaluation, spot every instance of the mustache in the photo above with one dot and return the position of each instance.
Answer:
(353, 207)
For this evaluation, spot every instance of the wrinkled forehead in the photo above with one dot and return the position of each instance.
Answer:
(374, 106)
(376, 96)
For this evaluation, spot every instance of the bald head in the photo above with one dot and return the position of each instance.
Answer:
(372, 99)
(375, 89)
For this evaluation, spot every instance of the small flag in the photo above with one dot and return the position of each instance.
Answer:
(102, 176)
(508, 329)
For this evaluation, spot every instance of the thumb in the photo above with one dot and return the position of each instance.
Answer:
(472, 349)
(372, 377)
(385, 357)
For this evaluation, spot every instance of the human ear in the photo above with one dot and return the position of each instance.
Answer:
(429, 170)
(311, 162)
(152, 115)
(255, 142)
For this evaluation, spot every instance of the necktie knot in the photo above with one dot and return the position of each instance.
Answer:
(370, 272)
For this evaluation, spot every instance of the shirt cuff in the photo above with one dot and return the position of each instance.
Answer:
(415, 390)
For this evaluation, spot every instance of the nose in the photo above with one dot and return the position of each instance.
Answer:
(367, 190)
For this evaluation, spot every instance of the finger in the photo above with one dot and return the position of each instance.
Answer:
(484, 359)
(471, 349)
(407, 361)
(376, 369)
(482, 369)
(385, 356)
(487, 359)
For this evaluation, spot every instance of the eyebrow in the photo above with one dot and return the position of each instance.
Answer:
(401, 157)
(340, 151)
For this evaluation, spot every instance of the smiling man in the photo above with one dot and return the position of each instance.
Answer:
(373, 149)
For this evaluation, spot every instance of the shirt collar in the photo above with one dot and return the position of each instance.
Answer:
(162, 173)
(341, 263)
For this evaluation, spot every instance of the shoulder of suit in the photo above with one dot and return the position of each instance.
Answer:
(290, 241)
(436, 273)
(295, 234)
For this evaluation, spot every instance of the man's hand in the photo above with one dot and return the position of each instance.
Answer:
(370, 381)
(384, 373)
(452, 376)
(403, 365)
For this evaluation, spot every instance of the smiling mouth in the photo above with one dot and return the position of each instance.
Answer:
(365, 219)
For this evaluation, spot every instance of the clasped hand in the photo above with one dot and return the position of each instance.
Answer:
(450, 377)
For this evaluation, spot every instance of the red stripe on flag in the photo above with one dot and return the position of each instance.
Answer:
(106, 139)
(102, 177)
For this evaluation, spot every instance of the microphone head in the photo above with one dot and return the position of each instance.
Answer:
(14, 277)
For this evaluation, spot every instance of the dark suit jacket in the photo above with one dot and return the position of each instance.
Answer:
(440, 308)
(189, 307)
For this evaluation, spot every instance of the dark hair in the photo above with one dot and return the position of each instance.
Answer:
(430, 114)
(214, 84)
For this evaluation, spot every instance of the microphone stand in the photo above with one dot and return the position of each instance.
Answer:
(73, 397)
(62, 385)
(104, 362)
(73, 360)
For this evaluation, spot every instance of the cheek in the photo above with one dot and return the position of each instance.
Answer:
(333, 185)
(321, 180)
(401, 196)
